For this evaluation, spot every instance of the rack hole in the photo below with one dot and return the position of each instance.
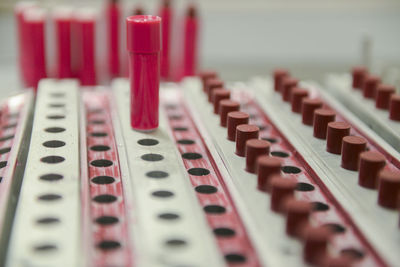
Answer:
(100, 148)
(186, 142)
(280, 154)
(103, 180)
(319, 206)
(50, 197)
(52, 159)
(305, 187)
(107, 220)
(270, 139)
(48, 220)
(12, 125)
(108, 245)
(224, 232)
(57, 94)
(54, 129)
(97, 122)
(45, 248)
(206, 189)
(198, 171)
(336, 228)
(214, 209)
(54, 143)
(152, 157)
(291, 169)
(5, 150)
(104, 199)
(7, 137)
(162, 193)
(51, 177)
(235, 258)
(175, 117)
(176, 242)
(157, 174)
(56, 105)
(180, 129)
(148, 142)
(191, 155)
(3, 164)
(98, 134)
(55, 117)
(101, 163)
(352, 253)
(168, 216)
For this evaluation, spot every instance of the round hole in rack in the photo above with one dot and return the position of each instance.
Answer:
(162, 193)
(171, 106)
(48, 220)
(50, 197)
(9, 126)
(148, 142)
(157, 174)
(5, 138)
(270, 139)
(152, 157)
(224, 232)
(335, 228)
(52, 159)
(56, 105)
(198, 171)
(45, 248)
(3, 164)
(97, 121)
(352, 253)
(206, 189)
(186, 142)
(191, 155)
(98, 134)
(291, 169)
(175, 117)
(319, 206)
(175, 242)
(262, 127)
(99, 148)
(105, 198)
(55, 130)
(253, 116)
(101, 163)
(5, 150)
(55, 117)
(13, 115)
(235, 258)
(106, 220)
(51, 177)
(1, 179)
(95, 111)
(180, 129)
(304, 187)
(279, 154)
(169, 216)
(108, 245)
(57, 94)
(54, 143)
(214, 209)
(103, 179)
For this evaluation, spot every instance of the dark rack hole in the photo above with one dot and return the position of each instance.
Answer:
(54, 143)
(98, 134)
(103, 180)
(148, 142)
(107, 220)
(171, 107)
(51, 177)
(162, 193)
(5, 150)
(253, 116)
(157, 174)
(336, 228)
(168, 216)
(319, 206)
(1, 179)
(100, 148)
(12, 125)
(95, 111)
(224, 232)
(12, 115)
(352, 253)
(7, 137)
(57, 105)
(280, 154)
(198, 171)
(97, 122)
(57, 94)
(214, 209)
(48, 220)
(3, 164)
(50, 197)
(106, 198)
(291, 169)
(305, 187)
(45, 248)
(54, 129)
(108, 245)
(206, 189)
(152, 157)
(101, 163)
(191, 155)
(270, 139)
(175, 117)
(56, 117)
(52, 159)
(262, 127)
(235, 258)
(180, 129)
(186, 142)
(175, 242)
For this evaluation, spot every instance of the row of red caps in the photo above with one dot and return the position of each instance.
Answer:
(269, 177)
(371, 86)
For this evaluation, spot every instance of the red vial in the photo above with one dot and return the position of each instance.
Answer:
(335, 133)
(359, 74)
(394, 107)
(297, 98)
(383, 94)
(352, 147)
(281, 190)
(308, 106)
(321, 119)
(267, 166)
(254, 149)
(371, 163)
(235, 118)
(389, 189)
(279, 75)
(226, 106)
(244, 132)
(287, 86)
(370, 85)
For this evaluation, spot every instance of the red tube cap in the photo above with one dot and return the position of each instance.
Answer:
(218, 95)
(143, 34)
(321, 119)
(370, 85)
(297, 215)
(279, 75)
(335, 133)
(389, 189)
(297, 98)
(352, 146)
(281, 189)
(315, 244)
(245, 132)
(383, 94)
(211, 85)
(394, 108)
(359, 74)
(235, 118)
(226, 106)
(205, 75)
(308, 106)
(287, 86)
(266, 167)
(254, 149)
(371, 163)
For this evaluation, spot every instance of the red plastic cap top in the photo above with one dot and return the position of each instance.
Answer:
(144, 34)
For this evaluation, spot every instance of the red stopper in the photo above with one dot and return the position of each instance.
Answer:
(226, 106)
(219, 95)
(205, 75)
(235, 118)
(287, 86)
(383, 94)
(308, 107)
(359, 74)
(245, 132)
(335, 133)
(254, 149)
(352, 146)
(389, 189)
(315, 244)
(281, 189)
(266, 167)
(321, 119)
(213, 84)
(144, 44)
(370, 85)
(394, 107)
(297, 216)
(297, 98)
(371, 163)
(279, 75)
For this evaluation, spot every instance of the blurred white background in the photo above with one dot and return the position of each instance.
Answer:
(245, 38)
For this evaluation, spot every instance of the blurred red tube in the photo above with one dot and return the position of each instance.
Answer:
(166, 15)
(62, 22)
(190, 42)
(113, 31)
